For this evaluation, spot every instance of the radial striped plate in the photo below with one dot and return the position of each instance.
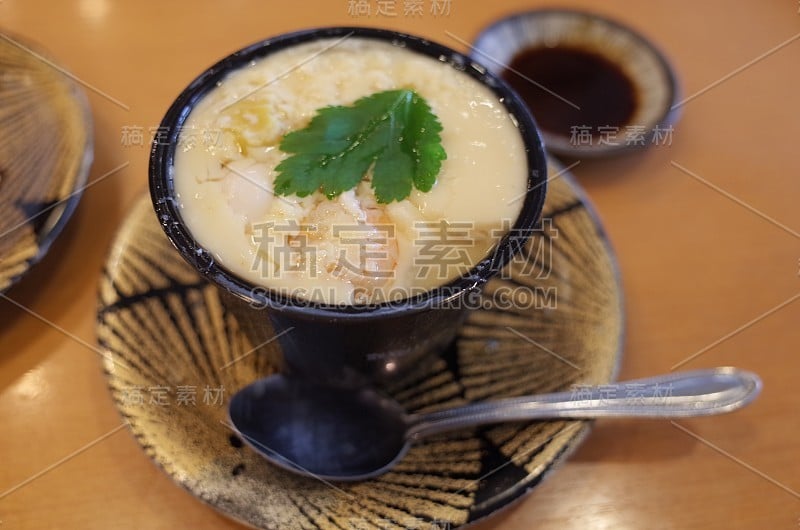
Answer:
(45, 154)
(175, 355)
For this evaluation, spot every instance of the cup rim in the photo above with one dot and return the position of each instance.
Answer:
(161, 180)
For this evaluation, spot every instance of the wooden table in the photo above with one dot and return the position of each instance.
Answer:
(706, 231)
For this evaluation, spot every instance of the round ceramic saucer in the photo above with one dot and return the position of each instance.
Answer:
(653, 79)
(175, 357)
(45, 154)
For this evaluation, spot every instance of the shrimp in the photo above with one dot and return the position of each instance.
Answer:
(355, 241)
(248, 187)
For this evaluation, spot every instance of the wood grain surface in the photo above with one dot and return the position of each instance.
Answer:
(706, 231)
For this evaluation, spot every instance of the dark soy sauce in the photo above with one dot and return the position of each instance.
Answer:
(605, 94)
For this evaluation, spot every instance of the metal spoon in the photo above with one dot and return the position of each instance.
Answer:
(346, 435)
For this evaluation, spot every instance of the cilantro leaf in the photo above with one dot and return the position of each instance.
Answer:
(393, 132)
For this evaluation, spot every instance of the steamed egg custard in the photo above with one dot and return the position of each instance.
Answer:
(265, 164)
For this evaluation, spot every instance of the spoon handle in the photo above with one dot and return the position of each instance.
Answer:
(677, 395)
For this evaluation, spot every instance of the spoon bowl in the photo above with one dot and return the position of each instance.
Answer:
(342, 434)
(330, 433)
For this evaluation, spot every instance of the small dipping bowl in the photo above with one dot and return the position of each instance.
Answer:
(595, 86)
(345, 345)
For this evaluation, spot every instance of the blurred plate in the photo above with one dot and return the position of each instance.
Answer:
(45, 155)
(651, 78)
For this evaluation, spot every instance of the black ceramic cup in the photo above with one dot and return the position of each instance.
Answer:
(334, 344)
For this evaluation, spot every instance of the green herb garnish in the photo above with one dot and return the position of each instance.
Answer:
(393, 132)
